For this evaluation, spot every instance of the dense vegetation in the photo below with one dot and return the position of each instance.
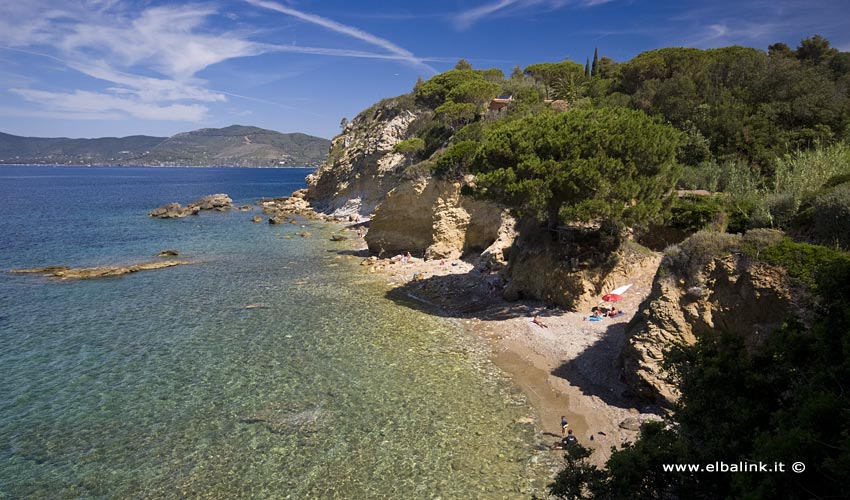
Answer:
(768, 130)
(758, 139)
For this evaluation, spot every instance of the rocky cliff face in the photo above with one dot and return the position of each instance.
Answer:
(431, 217)
(362, 166)
(732, 294)
(540, 271)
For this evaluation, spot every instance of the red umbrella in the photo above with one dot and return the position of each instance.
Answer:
(612, 297)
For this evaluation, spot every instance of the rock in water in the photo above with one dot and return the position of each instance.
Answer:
(256, 218)
(173, 211)
(338, 237)
(65, 272)
(213, 201)
(42, 270)
(168, 253)
(277, 220)
(220, 202)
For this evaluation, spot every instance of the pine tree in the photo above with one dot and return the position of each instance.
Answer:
(594, 70)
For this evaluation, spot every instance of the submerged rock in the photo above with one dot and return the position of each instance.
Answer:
(338, 237)
(65, 272)
(168, 253)
(42, 270)
(256, 218)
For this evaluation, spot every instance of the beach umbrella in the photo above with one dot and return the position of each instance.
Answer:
(616, 294)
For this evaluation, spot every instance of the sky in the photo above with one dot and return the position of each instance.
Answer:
(98, 68)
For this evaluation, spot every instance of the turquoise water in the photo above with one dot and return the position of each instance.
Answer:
(161, 384)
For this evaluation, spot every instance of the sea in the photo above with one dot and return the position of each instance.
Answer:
(273, 366)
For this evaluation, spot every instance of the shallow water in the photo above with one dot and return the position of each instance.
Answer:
(161, 384)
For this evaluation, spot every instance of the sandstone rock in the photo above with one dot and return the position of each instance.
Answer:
(631, 424)
(750, 299)
(257, 218)
(431, 217)
(277, 220)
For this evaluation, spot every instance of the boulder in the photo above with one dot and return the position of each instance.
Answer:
(277, 220)
(213, 201)
(168, 253)
(257, 218)
(173, 211)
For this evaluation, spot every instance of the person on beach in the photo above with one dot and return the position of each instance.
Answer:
(570, 440)
(613, 312)
(539, 322)
(564, 425)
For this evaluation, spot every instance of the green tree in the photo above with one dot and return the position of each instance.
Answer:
(594, 69)
(780, 49)
(608, 163)
(815, 50)
(587, 68)
(577, 477)
(463, 64)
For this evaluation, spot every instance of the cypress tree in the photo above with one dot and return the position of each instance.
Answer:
(594, 70)
(587, 68)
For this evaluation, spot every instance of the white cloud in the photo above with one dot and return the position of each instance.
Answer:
(395, 50)
(467, 18)
(95, 103)
(164, 38)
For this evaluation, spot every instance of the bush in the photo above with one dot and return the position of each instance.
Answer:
(695, 213)
(756, 240)
(831, 212)
(456, 160)
(688, 259)
(410, 146)
(706, 176)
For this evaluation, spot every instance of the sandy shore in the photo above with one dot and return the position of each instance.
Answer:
(567, 368)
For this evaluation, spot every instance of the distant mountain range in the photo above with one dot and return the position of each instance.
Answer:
(236, 146)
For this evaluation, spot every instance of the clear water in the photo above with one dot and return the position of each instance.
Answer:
(161, 384)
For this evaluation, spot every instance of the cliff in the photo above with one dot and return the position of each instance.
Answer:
(726, 292)
(362, 167)
(431, 217)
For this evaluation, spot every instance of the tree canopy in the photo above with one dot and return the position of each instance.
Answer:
(604, 163)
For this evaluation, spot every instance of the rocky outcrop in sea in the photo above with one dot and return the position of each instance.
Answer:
(174, 210)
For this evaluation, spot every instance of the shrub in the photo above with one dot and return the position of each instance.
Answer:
(410, 146)
(688, 260)
(831, 212)
(695, 213)
(456, 160)
(756, 240)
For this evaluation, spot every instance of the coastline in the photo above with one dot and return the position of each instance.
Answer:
(567, 368)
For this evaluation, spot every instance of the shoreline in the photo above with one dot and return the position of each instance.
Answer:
(568, 368)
